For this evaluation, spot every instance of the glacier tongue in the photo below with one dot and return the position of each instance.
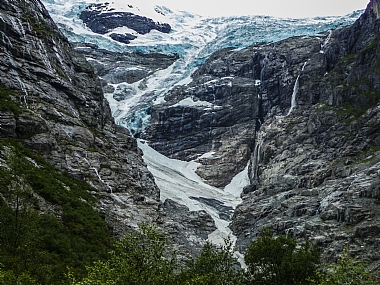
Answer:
(178, 181)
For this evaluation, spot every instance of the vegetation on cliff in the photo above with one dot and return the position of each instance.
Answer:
(145, 258)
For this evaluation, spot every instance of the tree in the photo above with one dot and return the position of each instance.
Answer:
(214, 266)
(138, 258)
(280, 260)
(347, 271)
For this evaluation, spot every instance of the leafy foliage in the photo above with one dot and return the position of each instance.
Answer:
(6, 102)
(138, 258)
(47, 223)
(68, 232)
(278, 260)
(214, 266)
(347, 271)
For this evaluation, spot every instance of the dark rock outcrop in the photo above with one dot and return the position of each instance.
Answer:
(52, 102)
(102, 20)
(305, 113)
(224, 106)
(188, 230)
(115, 68)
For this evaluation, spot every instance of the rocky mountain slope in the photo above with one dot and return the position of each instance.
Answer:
(64, 116)
(305, 113)
(52, 103)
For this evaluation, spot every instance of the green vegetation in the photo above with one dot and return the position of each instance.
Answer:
(47, 219)
(274, 261)
(347, 271)
(51, 234)
(6, 102)
(144, 258)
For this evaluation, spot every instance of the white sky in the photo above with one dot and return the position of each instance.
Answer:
(277, 8)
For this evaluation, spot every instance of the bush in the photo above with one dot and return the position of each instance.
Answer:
(138, 258)
(214, 266)
(43, 245)
(347, 271)
(272, 261)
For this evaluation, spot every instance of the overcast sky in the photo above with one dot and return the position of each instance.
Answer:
(277, 8)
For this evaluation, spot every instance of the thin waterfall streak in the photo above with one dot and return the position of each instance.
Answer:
(23, 88)
(293, 103)
(296, 87)
(98, 175)
(256, 160)
(324, 45)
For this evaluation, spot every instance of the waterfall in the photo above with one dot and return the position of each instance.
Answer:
(323, 46)
(256, 159)
(23, 88)
(293, 103)
(98, 175)
(44, 55)
(263, 64)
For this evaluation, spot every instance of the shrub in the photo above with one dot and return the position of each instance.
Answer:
(280, 261)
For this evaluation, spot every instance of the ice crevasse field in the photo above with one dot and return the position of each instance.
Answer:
(194, 38)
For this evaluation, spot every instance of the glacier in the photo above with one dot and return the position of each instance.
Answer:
(193, 38)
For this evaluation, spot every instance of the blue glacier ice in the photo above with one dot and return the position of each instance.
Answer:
(193, 38)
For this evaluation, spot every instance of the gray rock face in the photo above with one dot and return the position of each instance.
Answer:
(315, 172)
(64, 116)
(225, 104)
(304, 112)
(115, 68)
(188, 230)
(61, 113)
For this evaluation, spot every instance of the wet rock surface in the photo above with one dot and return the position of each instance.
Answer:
(304, 113)
(222, 108)
(61, 113)
(188, 230)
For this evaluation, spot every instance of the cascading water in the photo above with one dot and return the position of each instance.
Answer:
(255, 160)
(193, 38)
(293, 103)
(324, 45)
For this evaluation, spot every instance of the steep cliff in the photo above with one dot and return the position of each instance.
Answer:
(315, 168)
(62, 115)
(52, 103)
(305, 113)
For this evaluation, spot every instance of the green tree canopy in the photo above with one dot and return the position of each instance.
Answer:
(272, 261)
